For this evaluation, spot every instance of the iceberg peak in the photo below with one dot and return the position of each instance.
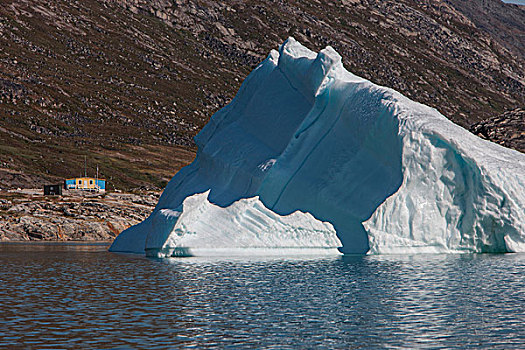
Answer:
(306, 70)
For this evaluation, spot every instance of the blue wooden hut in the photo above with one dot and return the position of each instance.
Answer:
(85, 184)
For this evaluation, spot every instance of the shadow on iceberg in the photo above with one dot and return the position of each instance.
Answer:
(308, 155)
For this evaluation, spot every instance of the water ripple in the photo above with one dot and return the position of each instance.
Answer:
(80, 296)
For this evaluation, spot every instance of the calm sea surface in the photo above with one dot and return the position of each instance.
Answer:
(81, 296)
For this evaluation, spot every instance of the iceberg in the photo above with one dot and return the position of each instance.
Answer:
(310, 156)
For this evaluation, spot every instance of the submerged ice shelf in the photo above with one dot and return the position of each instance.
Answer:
(308, 155)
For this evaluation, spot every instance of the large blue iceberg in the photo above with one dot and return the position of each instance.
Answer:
(310, 156)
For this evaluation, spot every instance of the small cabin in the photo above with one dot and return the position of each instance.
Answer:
(85, 184)
(52, 190)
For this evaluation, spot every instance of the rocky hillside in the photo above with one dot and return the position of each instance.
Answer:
(128, 83)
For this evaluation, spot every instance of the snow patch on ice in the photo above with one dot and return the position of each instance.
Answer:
(265, 166)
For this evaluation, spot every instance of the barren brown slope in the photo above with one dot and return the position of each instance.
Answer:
(504, 22)
(129, 82)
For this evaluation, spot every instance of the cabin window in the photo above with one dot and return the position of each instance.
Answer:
(80, 182)
(91, 182)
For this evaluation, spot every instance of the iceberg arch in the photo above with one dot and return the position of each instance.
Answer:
(310, 155)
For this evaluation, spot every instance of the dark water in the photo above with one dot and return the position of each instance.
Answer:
(78, 296)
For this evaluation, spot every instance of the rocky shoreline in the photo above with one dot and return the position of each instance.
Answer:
(28, 215)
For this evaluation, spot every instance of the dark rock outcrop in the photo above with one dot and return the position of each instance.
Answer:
(507, 129)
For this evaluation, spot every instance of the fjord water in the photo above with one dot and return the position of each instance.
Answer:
(81, 296)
